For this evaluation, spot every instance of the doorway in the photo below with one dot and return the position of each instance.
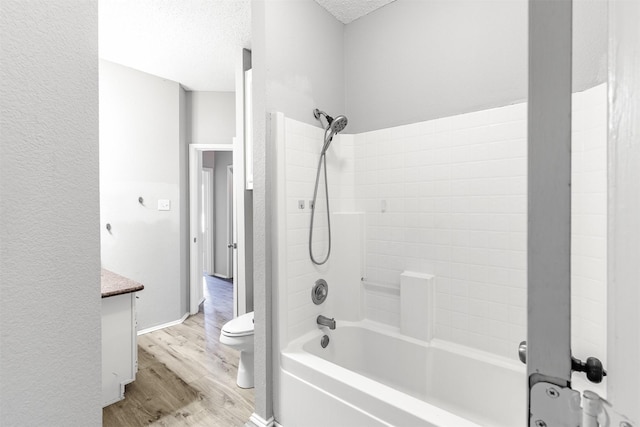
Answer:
(217, 214)
(213, 218)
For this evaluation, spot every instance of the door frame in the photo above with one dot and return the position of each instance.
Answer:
(196, 295)
(623, 211)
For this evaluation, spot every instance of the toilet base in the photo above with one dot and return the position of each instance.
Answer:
(245, 370)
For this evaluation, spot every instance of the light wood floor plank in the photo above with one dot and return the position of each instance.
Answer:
(185, 376)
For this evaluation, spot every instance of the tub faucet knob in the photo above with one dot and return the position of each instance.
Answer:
(325, 321)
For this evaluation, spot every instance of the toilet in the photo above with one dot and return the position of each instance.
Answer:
(238, 334)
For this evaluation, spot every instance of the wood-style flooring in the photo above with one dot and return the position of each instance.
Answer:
(185, 376)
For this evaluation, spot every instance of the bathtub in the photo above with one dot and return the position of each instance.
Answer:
(370, 375)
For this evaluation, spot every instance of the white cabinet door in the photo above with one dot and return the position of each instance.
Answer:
(119, 346)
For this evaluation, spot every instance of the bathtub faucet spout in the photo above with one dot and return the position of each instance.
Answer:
(325, 321)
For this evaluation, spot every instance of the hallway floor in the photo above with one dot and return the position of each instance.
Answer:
(185, 376)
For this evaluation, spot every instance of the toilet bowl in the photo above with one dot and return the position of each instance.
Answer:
(238, 334)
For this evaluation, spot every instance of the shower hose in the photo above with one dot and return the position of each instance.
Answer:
(322, 162)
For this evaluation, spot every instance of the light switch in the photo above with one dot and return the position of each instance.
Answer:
(164, 205)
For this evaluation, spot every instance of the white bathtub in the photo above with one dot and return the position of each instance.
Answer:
(372, 376)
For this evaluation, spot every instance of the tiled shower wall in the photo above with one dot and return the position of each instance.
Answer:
(302, 148)
(589, 224)
(448, 197)
(455, 196)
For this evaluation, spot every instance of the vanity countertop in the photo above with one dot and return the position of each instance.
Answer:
(113, 284)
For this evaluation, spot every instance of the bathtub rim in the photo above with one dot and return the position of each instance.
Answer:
(297, 362)
(296, 345)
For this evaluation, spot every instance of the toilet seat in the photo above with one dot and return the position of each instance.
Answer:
(241, 326)
(238, 334)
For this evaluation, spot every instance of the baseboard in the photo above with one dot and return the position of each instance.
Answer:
(258, 421)
(164, 325)
(221, 276)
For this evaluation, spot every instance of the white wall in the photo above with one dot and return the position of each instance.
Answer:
(221, 211)
(49, 240)
(416, 60)
(298, 65)
(211, 117)
(141, 150)
(304, 48)
(212, 120)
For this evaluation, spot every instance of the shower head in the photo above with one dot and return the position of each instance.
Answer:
(333, 127)
(338, 124)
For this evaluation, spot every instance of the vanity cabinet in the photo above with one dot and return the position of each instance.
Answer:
(119, 335)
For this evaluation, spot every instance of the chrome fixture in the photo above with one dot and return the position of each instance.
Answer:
(333, 127)
(325, 321)
(319, 291)
(324, 342)
(522, 352)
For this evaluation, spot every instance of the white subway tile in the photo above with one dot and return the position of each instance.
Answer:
(443, 332)
(460, 321)
(516, 297)
(509, 113)
(455, 193)
(480, 309)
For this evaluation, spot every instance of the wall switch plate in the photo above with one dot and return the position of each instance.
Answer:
(164, 205)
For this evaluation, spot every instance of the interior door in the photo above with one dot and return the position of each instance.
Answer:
(551, 399)
(231, 243)
(549, 210)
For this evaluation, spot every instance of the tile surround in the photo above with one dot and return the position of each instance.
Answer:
(448, 197)
(301, 153)
(456, 202)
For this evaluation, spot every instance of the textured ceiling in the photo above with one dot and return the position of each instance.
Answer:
(349, 10)
(193, 42)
